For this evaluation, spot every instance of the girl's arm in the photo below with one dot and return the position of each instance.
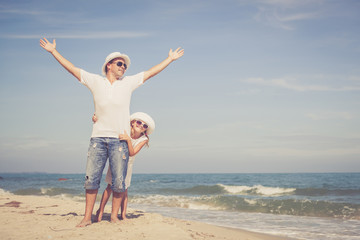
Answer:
(132, 151)
(138, 147)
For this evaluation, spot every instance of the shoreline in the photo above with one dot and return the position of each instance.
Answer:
(41, 217)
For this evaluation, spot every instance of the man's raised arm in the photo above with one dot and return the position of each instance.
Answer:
(51, 48)
(173, 55)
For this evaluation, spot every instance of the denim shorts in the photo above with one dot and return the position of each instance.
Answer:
(101, 149)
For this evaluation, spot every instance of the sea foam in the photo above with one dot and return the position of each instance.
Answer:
(257, 190)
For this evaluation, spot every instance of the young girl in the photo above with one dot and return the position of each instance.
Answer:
(142, 125)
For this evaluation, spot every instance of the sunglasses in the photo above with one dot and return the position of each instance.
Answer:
(119, 64)
(145, 126)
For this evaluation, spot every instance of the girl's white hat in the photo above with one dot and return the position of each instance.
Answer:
(112, 56)
(145, 118)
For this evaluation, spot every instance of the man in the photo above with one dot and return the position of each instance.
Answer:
(112, 95)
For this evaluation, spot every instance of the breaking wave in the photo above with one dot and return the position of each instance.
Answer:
(294, 207)
(227, 189)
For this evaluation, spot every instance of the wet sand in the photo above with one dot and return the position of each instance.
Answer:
(38, 217)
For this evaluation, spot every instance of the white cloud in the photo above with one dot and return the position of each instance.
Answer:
(23, 143)
(330, 115)
(4, 9)
(303, 145)
(303, 152)
(281, 13)
(34, 143)
(166, 147)
(78, 35)
(23, 12)
(296, 17)
(289, 3)
(293, 83)
(279, 19)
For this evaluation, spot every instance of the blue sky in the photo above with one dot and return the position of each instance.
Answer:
(264, 85)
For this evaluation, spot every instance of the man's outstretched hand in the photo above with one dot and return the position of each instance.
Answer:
(48, 46)
(174, 55)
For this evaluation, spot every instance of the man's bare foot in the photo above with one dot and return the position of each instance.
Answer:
(123, 217)
(98, 216)
(84, 223)
(115, 220)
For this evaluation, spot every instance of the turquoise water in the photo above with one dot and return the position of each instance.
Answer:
(299, 205)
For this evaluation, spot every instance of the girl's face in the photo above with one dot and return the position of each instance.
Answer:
(139, 126)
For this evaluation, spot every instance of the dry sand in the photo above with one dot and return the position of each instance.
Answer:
(37, 217)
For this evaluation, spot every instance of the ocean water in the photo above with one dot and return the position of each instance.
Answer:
(299, 205)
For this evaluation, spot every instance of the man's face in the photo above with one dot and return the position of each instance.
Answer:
(117, 67)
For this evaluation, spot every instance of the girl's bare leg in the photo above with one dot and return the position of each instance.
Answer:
(105, 197)
(116, 202)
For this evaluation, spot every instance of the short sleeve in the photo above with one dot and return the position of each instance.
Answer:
(136, 142)
(88, 79)
(136, 80)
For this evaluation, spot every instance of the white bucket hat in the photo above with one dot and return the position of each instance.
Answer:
(114, 55)
(145, 118)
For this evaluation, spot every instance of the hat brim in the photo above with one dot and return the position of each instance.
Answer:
(112, 56)
(145, 118)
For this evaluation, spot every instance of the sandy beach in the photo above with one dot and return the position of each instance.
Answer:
(38, 217)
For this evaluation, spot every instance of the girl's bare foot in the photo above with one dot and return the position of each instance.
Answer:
(123, 217)
(98, 216)
(84, 223)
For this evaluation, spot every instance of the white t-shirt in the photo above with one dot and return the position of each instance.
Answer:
(108, 177)
(112, 102)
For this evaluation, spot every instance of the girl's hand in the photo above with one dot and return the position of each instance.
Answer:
(45, 44)
(125, 136)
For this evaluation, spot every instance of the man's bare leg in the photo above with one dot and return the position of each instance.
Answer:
(90, 202)
(124, 205)
(117, 199)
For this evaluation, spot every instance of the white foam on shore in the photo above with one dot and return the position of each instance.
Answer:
(299, 227)
(235, 189)
(45, 191)
(4, 192)
(173, 201)
(257, 190)
(270, 191)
